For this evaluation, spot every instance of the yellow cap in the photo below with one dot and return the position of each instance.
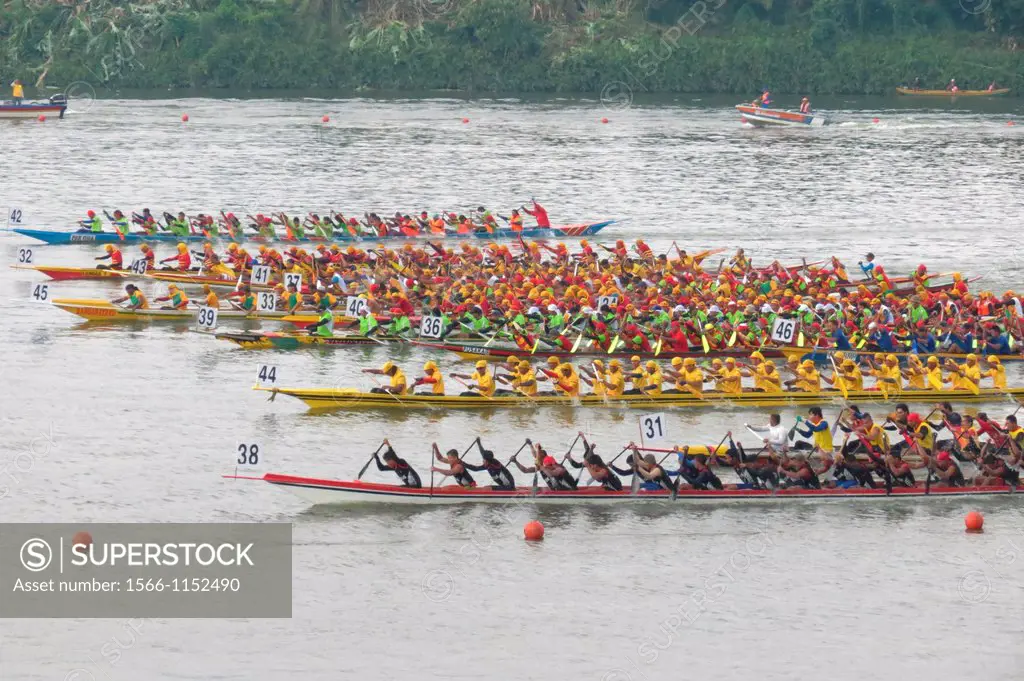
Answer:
(598, 363)
(756, 355)
(523, 366)
(677, 361)
(891, 358)
(689, 361)
(730, 360)
(482, 364)
(388, 366)
(553, 361)
(933, 359)
(651, 364)
(429, 366)
(971, 357)
(807, 364)
(992, 359)
(634, 358)
(614, 364)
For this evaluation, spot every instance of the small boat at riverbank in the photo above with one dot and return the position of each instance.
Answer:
(324, 491)
(54, 106)
(81, 236)
(760, 117)
(946, 93)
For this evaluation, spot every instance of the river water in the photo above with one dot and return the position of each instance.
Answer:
(132, 424)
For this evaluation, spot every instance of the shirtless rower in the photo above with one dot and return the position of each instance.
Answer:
(797, 472)
(456, 468)
(554, 474)
(503, 480)
(598, 469)
(392, 462)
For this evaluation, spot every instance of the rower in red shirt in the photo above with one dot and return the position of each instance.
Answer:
(539, 214)
(114, 256)
(149, 256)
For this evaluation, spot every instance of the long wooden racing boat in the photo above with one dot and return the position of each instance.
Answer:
(472, 351)
(773, 118)
(946, 93)
(325, 491)
(822, 356)
(105, 311)
(335, 399)
(88, 237)
(266, 340)
(76, 273)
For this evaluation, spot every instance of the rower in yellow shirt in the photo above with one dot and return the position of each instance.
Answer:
(637, 377)
(730, 379)
(595, 376)
(615, 383)
(996, 371)
(17, 92)
(691, 378)
(568, 382)
(890, 374)
(964, 376)
(483, 381)
(768, 378)
(653, 379)
(524, 380)
(915, 373)
(933, 373)
(397, 384)
(432, 377)
(807, 377)
(211, 298)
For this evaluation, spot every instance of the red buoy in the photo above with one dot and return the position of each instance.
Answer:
(533, 531)
(81, 537)
(1010, 123)
(325, 119)
(974, 521)
(184, 118)
(604, 120)
(42, 118)
(874, 120)
(465, 120)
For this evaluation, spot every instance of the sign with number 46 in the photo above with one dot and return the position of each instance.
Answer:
(784, 330)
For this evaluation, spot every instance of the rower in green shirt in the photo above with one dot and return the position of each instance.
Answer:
(368, 324)
(399, 322)
(179, 226)
(324, 326)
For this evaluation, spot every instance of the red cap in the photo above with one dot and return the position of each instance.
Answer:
(943, 456)
(549, 461)
(913, 418)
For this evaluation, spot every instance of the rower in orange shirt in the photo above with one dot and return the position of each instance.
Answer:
(539, 214)
(183, 259)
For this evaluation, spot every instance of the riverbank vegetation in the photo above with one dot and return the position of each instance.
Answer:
(596, 46)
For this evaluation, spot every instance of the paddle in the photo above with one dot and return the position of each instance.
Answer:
(838, 378)
(370, 460)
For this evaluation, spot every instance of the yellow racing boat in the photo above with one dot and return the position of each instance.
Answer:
(821, 356)
(76, 273)
(334, 399)
(97, 310)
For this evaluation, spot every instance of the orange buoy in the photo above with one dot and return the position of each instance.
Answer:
(974, 521)
(184, 118)
(81, 537)
(1010, 123)
(325, 119)
(533, 531)
(465, 120)
(42, 118)
(874, 120)
(604, 120)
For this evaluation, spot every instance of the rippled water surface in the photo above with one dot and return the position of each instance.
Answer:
(144, 420)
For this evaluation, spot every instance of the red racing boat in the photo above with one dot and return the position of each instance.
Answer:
(322, 491)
